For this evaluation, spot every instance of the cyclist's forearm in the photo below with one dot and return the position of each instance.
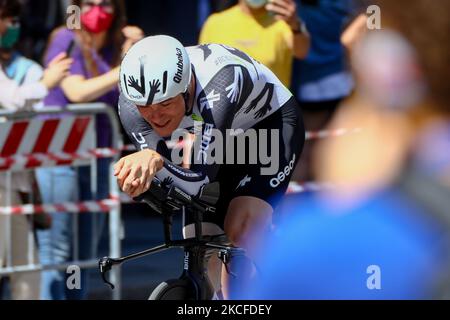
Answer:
(188, 180)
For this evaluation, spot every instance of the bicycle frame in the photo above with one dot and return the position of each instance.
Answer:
(194, 248)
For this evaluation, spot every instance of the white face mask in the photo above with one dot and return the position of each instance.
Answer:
(256, 4)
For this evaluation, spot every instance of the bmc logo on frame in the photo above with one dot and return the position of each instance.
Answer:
(186, 261)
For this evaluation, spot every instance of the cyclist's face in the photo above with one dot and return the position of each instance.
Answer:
(164, 117)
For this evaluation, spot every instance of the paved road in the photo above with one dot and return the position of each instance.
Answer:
(140, 276)
(142, 231)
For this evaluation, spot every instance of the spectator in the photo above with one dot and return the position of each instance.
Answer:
(38, 19)
(321, 80)
(269, 31)
(23, 83)
(206, 7)
(94, 76)
(354, 32)
(179, 19)
(383, 233)
(220, 5)
(356, 25)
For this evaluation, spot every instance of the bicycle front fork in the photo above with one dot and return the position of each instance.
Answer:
(195, 266)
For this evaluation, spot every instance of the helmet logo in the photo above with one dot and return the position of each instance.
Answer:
(164, 82)
(179, 75)
(153, 84)
(133, 83)
(139, 86)
(154, 89)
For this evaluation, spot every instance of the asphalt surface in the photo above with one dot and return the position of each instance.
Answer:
(143, 230)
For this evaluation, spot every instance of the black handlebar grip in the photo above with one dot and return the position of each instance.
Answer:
(180, 195)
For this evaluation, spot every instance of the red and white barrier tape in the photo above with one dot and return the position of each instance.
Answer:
(35, 160)
(80, 207)
(295, 187)
(323, 134)
(309, 135)
(112, 203)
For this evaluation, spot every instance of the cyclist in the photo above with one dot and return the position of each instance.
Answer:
(165, 87)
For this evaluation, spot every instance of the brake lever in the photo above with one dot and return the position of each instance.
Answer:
(105, 264)
(224, 256)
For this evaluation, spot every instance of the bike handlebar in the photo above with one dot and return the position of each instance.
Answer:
(162, 197)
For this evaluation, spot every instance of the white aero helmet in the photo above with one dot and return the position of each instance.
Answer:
(155, 69)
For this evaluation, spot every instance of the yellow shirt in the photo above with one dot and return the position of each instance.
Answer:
(264, 38)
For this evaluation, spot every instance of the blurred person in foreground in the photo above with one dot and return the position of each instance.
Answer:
(383, 231)
(269, 31)
(23, 85)
(98, 48)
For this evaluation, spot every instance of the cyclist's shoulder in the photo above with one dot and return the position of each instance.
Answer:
(123, 102)
(126, 108)
(211, 58)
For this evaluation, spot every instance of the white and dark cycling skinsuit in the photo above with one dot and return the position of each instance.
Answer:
(233, 91)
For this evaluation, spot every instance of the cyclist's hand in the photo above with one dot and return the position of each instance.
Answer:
(135, 172)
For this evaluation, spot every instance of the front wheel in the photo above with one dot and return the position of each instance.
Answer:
(175, 289)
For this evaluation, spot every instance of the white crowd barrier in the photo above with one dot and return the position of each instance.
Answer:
(52, 137)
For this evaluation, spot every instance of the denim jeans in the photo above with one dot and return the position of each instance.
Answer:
(68, 184)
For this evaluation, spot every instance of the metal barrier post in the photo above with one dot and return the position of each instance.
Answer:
(115, 222)
(9, 260)
(115, 241)
(115, 216)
